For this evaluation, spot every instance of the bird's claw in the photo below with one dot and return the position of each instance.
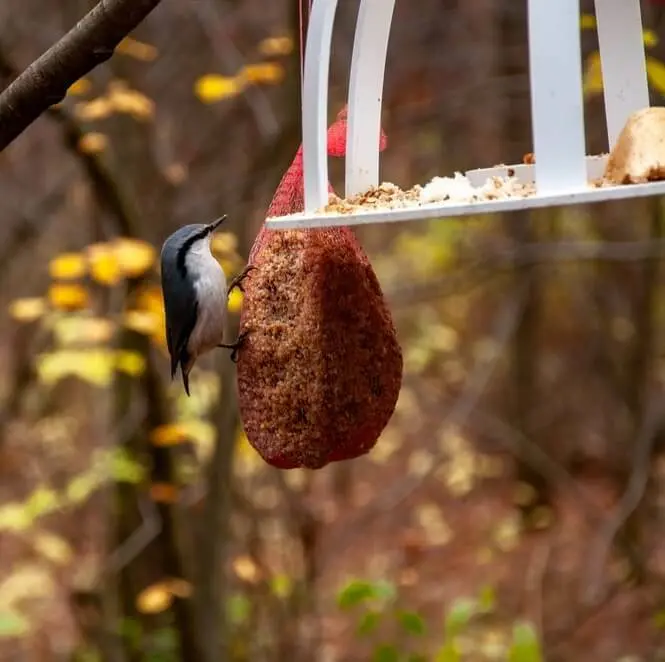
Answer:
(237, 345)
(237, 281)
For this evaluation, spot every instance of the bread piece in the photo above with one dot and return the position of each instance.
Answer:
(639, 153)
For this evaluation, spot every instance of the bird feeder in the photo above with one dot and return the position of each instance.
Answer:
(562, 173)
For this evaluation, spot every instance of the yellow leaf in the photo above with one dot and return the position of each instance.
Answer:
(93, 143)
(91, 365)
(135, 257)
(246, 569)
(68, 296)
(42, 501)
(141, 321)
(154, 599)
(80, 87)
(52, 367)
(276, 46)
(97, 109)
(67, 266)
(104, 267)
(132, 102)
(229, 265)
(656, 74)
(650, 38)
(82, 486)
(53, 547)
(137, 49)
(224, 242)
(593, 76)
(14, 517)
(27, 581)
(94, 366)
(235, 301)
(82, 329)
(131, 363)
(179, 587)
(213, 87)
(248, 457)
(164, 492)
(200, 432)
(264, 72)
(170, 434)
(588, 22)
(150, 300)
(27, 310)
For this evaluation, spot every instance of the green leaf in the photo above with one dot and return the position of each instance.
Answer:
(448, 653)
(411, 622)
(12, 624)
(459, 616)
(281, 585)
(659, 619)
(238, 608)
(42, 502)
(385, 653)
(82, 486)
(130, 630)
(87, 654)
(487, 599)
(124, 468)
(165, 640)
(525, 646)
(384, 590)
(368, 623)
(355, 593)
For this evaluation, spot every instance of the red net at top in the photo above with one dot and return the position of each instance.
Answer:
(320, 370)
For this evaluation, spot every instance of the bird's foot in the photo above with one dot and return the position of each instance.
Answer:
(237, 281)
(236, 346)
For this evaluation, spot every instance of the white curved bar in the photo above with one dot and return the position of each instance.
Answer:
(557, 107)
(446, 210)
(623, 63)
(368, 66)
(315, 103)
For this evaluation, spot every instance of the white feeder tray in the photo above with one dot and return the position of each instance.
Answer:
(562, 173)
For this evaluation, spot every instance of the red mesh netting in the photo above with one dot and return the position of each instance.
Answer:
(320, 370)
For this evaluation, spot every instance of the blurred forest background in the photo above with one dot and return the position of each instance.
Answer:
(511, 509)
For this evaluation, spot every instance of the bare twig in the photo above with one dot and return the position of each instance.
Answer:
(630, 499)
(130, 548)
(89, 43)
(535, 580)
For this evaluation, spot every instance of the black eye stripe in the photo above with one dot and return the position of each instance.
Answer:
(183, 250)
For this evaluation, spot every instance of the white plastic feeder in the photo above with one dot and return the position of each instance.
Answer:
(562, 170)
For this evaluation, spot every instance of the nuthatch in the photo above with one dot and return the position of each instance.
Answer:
(195, 297)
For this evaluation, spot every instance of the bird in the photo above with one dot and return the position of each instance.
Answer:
(195, 293)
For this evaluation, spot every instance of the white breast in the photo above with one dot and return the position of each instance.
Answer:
(211, 291)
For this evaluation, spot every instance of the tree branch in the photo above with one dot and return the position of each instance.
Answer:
(89, 43)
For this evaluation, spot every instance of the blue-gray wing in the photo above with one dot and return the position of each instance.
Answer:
(181, 308)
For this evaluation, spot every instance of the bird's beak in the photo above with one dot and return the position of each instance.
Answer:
(211, 227)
